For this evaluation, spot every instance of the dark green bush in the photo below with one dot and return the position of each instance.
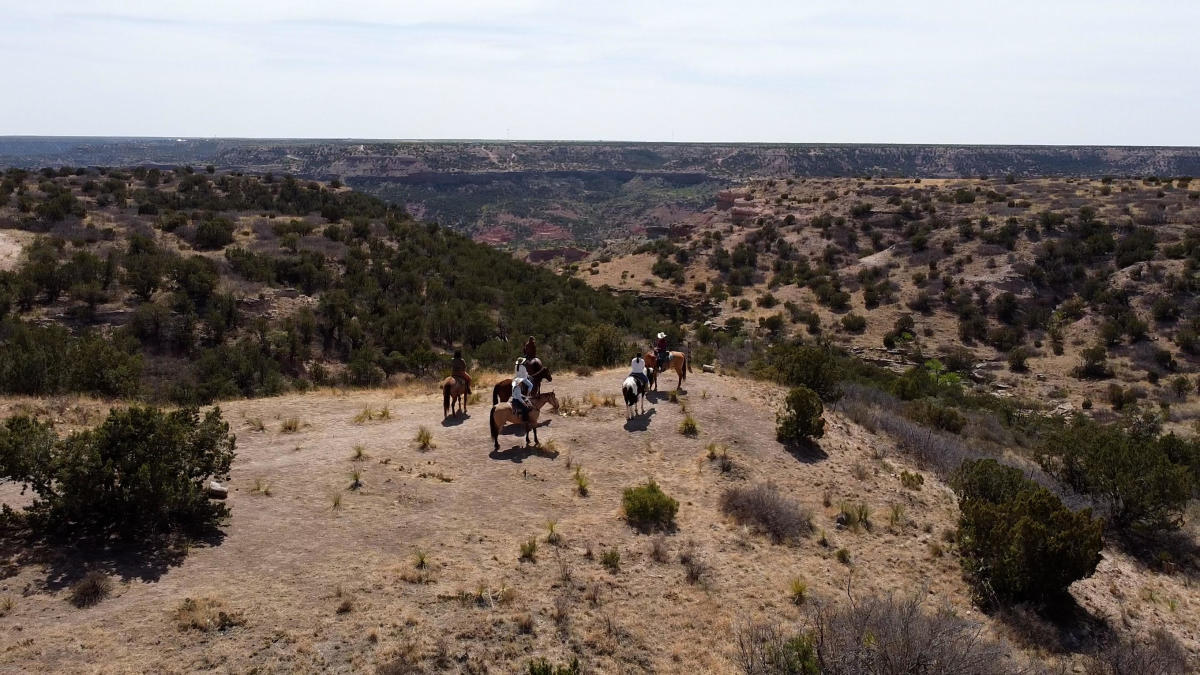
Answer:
(1018, 541)
(213, 233)
(1144, 480)
(799, 365)
(854, 323)
(801, 419)
(647, 507)
(142, 470)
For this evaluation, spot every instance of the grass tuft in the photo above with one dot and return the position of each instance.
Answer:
(424, 438)
(611, 559)
(688, 426)
(529, 550)
(581, 482)
(91, 589)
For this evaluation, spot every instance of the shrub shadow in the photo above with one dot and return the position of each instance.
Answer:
(806, 452)
(66, 559)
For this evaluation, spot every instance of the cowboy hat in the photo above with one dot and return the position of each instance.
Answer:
(662, 335)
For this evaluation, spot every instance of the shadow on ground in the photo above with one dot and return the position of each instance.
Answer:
(67, 559)
(639, 422)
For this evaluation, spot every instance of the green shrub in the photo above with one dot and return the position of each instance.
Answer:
(800, 365)
(931, 414)
(1145, 480)
(142, 470)
(214, 233)
(801, 419)
(1018, 541)
(854, 323)
(647, 507)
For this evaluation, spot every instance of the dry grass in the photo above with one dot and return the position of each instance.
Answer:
(854, 516)
(261, 487)
(658, 549)
(206, 615)
(91, 589)
(256, 424)
(424, 439)
(611, 559)
(528, 551)
(552, 536)
(290, 425)
(6, 605)
(581, 482)
(689, 427)
(797, 591)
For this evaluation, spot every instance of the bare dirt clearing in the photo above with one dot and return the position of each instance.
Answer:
(326, 577)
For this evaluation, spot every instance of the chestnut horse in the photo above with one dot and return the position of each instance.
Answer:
(504, 414)
(678, 362)
(454, 392)
(503, 389)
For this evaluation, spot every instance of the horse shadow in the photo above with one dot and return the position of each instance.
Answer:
(639, 422)
(519, 453)
(456, 419)
(806, 452)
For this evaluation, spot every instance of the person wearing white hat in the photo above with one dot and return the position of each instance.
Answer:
(662, 354)
(521, 386)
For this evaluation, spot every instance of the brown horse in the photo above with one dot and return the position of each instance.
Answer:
(454, 392)
(679, 362)
(503, 415)
(503, 389)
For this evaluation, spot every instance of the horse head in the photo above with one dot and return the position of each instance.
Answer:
(549, 396)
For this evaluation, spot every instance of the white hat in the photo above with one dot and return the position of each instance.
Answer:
(662, 335)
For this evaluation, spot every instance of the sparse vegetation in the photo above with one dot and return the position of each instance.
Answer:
(688, 426)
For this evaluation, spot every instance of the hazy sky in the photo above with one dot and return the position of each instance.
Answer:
(1051, 71)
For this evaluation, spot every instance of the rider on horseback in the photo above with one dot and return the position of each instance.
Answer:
(521, 388)
(532, 363)
(662, 355)
(637, 368)
(458, 370)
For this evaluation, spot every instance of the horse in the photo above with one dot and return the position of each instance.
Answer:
(454, 392)
(679, 362)
(503, 389)
(633, 390)
(504, 414)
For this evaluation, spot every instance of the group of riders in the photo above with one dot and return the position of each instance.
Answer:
(525, 384)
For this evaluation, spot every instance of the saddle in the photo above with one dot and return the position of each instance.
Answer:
(662, 360)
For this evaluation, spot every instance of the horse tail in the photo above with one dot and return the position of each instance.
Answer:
(683, 369)
(496, 395)
(492, 423)
(687, 361)
(446, 397)
(630, 393)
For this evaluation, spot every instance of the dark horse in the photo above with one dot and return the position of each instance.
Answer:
(503, 389)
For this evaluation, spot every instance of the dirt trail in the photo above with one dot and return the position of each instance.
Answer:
(288, 561)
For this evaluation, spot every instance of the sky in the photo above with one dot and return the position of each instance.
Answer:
(859, 71)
